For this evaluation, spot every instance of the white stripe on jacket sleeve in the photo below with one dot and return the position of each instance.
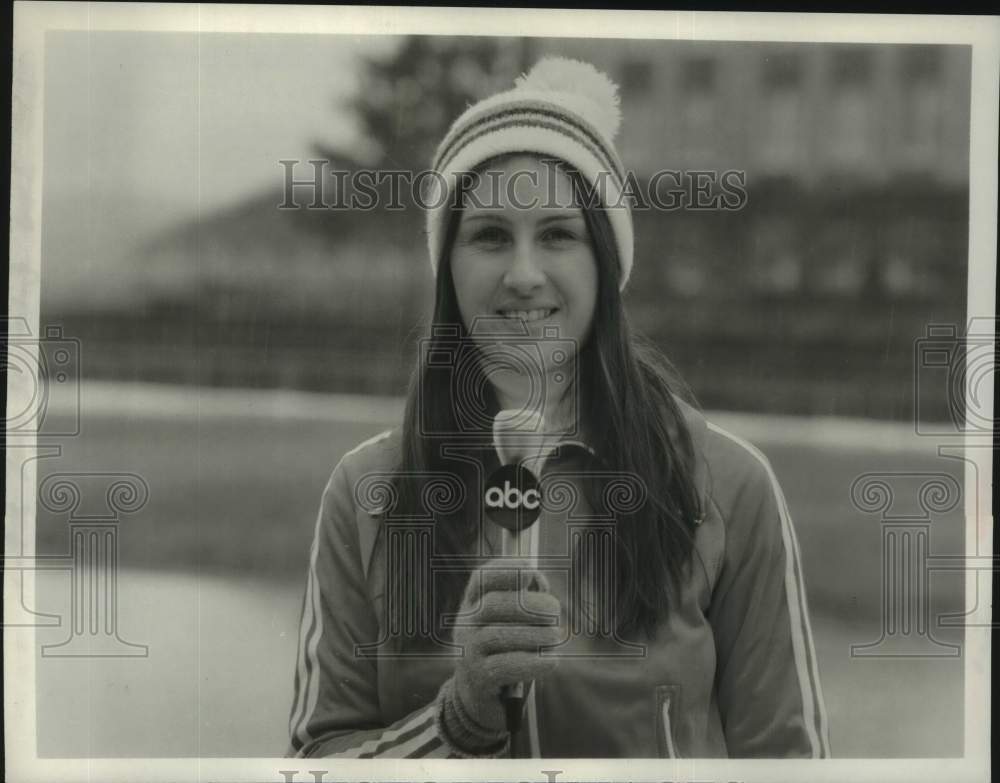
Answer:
(813, 707)
(390, 745)
(308, 665)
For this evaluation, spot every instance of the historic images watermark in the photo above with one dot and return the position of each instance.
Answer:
(457, 369)
(957, 365)
(322, 187)
(43, 364)
(906, 503)
(91, 503)
(550, 776)
(496, 346)
(94, 504)
(409, 550)
(962, 362)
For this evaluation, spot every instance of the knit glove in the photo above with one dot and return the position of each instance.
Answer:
(511, 615)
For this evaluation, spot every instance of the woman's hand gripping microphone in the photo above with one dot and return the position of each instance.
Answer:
(511, 617)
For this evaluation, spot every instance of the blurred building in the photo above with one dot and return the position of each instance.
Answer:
(807, 298)
(873, 139)
(811, 112)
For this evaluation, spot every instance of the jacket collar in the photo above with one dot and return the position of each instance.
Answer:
(693, 418)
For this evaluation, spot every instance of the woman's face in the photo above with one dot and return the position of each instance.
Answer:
(523, 254)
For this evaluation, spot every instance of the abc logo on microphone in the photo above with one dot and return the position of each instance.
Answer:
(512, 498)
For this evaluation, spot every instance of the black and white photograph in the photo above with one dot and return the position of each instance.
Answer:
(499, 394)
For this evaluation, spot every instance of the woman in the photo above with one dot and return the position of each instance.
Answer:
(663, 612)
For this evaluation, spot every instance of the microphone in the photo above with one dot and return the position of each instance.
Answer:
(522, 446)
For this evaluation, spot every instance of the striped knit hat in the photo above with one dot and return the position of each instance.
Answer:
(563, 109)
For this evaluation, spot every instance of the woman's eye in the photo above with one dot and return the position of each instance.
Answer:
(489, 236)
(558, 235)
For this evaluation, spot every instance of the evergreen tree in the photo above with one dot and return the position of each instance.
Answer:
(406, 102)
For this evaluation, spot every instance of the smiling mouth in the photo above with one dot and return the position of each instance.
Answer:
(528, 316)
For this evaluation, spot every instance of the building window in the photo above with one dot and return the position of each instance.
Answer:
(781, 138)
(698, 75)
(921, 64)
(842, 249)
(852, 141)
(921, 118)
(699, 107)
(911, 259)
(852, 67)
(782, 71)
(775, 260)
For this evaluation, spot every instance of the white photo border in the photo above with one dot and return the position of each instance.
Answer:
(33, 19)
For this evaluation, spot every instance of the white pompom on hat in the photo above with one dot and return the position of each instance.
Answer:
(564, 109)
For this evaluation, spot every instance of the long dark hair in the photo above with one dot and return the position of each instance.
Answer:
(627, 400)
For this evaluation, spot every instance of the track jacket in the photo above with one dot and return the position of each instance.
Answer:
(731, 671)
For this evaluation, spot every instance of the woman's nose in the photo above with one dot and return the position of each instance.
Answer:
(524, 273)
